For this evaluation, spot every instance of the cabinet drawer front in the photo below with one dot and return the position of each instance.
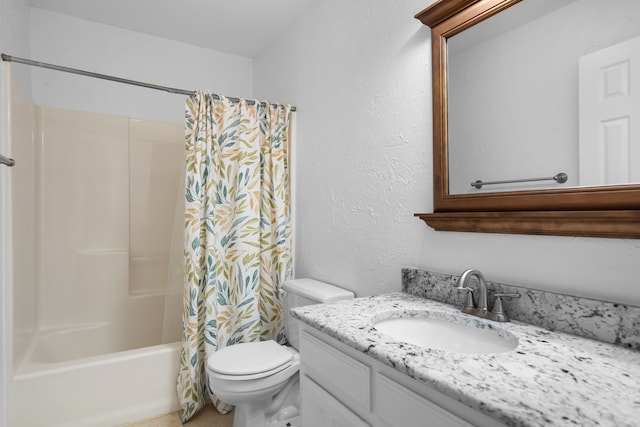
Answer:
(397, 405)
(320, 409)
(345, 378)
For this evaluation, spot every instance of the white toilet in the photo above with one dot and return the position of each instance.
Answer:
(261, 378)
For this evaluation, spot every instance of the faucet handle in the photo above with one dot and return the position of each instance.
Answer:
(507, 295)
(498, 312)
(468, 299)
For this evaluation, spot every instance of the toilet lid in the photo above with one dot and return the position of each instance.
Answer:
(249, 358)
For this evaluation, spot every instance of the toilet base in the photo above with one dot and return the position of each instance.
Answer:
(250, 414)
(253, 415)
(279, 410)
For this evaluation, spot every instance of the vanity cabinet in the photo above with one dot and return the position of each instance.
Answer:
(343, 387)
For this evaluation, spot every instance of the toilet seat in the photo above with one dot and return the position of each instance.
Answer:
(249, 361)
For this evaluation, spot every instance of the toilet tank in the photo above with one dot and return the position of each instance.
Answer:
(301, 292)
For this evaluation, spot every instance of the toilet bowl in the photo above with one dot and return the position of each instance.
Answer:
(249, 375)
(261, 378)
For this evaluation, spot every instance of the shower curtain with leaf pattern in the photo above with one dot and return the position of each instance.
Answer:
(237, 232)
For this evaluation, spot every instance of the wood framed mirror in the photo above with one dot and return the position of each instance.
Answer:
(590, 210)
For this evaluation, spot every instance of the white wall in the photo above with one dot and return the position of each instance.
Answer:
(359, 73)
(14, 39)
(77, 43)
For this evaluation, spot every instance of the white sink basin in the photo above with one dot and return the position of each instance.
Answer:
(449, 333)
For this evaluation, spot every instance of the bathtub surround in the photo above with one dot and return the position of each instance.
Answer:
(608, 322)
(89, 263)
(550, 379)
(104, 197)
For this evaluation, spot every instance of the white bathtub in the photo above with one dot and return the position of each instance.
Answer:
(62, 384)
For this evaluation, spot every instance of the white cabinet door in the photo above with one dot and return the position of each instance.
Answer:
(610, 115)
(348, 379)
(398, 406)
(320, 409)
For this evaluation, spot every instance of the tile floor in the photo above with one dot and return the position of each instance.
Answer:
(207, 417)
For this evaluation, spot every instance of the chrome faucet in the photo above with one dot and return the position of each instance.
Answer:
(482, 308)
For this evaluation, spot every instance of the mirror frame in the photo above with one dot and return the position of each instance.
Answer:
(612, 211)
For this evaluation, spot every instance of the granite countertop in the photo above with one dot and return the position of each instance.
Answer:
(549, 379)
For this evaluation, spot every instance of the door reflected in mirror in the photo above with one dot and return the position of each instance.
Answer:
(545, 88)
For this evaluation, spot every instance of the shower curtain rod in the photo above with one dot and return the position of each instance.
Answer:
(9, 58)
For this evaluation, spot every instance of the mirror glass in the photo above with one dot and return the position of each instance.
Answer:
(543, 88)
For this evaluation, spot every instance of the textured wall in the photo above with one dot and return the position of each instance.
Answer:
(359, 72)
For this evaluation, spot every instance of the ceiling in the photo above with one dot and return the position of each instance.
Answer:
(239, 27)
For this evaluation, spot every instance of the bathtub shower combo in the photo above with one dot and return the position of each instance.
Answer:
(96, 320)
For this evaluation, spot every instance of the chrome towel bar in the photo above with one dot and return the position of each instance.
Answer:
(559, 178)
(6, 161)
